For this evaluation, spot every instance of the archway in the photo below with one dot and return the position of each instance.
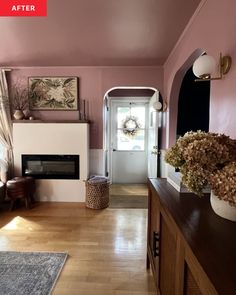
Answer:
(180, 106)
(174, 96)
(193, 105)
(124, 94)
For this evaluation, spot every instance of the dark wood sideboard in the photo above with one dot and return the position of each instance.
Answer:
(191, 250)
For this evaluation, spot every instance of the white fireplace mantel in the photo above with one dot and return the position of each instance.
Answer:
(54, 138)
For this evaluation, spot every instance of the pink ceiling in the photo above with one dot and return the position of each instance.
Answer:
(95, 33)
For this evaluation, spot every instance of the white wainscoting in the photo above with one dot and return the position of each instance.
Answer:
(54, 138)
(96, 162)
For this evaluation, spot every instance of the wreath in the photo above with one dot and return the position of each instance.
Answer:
(131, 126)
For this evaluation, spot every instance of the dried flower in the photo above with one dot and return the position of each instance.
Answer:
(19, 97)
(206, 158)
(223, 183)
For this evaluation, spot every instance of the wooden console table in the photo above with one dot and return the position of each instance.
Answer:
(192, 251)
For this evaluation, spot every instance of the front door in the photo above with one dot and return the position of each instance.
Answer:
(128, 144)
(153, 137)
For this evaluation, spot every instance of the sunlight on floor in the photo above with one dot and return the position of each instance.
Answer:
(14, 224)
(19, 223)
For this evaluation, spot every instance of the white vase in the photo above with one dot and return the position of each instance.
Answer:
(18, 115)
(222, 208)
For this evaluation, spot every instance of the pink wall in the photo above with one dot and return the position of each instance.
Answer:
(94, 82)
(212, 29)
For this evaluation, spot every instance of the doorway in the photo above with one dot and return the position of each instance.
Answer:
(129, 141)
(129, 124)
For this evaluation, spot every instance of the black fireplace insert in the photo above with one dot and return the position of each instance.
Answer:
(51, 166)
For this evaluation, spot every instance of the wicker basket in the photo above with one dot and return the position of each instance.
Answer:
(97, 195)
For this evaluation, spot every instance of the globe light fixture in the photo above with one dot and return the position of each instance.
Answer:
(157, 105)
(205, 66)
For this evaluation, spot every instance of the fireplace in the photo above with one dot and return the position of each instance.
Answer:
(51, 166)
(65, 140)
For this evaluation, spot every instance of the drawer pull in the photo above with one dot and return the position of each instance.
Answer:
(156, 239)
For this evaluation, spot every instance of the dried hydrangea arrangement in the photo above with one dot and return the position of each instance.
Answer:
(223, 183)
(206, 158)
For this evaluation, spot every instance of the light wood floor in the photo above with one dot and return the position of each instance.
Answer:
(128, 196)
(107, 248)
(129, 189)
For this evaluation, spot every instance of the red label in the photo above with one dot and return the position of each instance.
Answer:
(23, 7)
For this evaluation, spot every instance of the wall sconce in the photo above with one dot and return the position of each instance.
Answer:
(158, 106)
(205, 66)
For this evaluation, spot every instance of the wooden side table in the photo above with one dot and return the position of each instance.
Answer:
(21, 188)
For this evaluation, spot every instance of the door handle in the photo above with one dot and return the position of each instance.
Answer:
(155, 152)
(113, 150)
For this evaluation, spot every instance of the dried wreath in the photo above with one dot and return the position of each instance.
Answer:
(130, 126)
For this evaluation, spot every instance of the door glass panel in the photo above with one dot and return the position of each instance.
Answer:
(137, 141)
(139, 112)
(122, 114)
(134, 143)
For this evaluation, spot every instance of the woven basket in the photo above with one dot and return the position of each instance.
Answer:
(97, 195)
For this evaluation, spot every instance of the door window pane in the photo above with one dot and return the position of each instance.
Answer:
(137, 141)
(136, 111)
(134, 143)
(122, 114)
(139, 112)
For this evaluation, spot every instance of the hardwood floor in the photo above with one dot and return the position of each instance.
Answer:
(129, 189)
(107, 248)
(128, 196)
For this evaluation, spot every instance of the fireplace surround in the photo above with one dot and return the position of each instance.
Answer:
(59, 139)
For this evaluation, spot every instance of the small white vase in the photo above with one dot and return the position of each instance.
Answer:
(222, 208)
(18, 115)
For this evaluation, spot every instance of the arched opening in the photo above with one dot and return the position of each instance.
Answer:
(174, 97)
(130, 100)
(188, 108)
(193, 105)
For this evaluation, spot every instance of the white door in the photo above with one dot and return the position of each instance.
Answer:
(128, 152)
(153, 137)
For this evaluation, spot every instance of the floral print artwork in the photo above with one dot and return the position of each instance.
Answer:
(59, 93)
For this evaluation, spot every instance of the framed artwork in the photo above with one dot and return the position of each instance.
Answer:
(53, 93)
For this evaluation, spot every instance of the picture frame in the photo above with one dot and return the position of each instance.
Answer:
(53, 93)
